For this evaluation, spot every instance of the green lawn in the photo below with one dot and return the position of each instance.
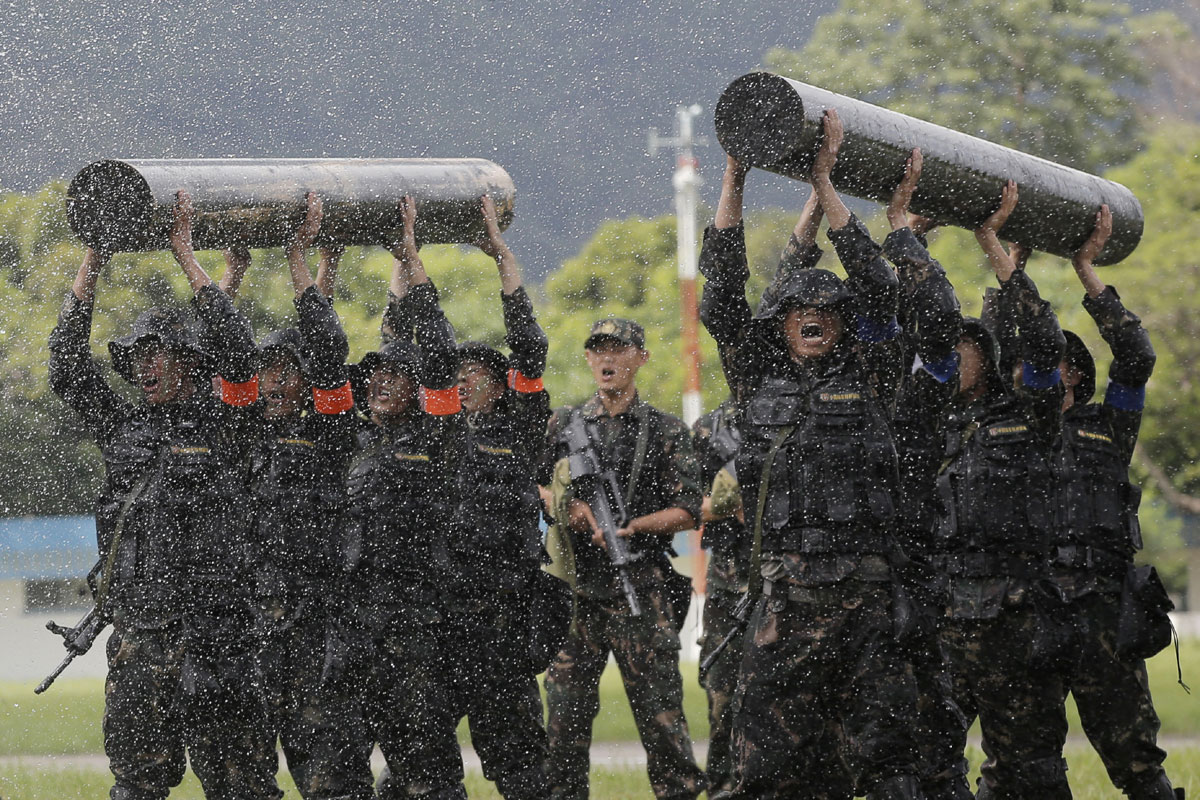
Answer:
(1088, 781)
(66, 721)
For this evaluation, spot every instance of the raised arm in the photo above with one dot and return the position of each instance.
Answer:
(801, 251)
(988, 237)
(524, 336)
(822, 170)
(74, 374)
(723, 307)
(1133, 354)
(296, 250)
(181, 243)
(237, 261)
(928, 306)
(327, 268)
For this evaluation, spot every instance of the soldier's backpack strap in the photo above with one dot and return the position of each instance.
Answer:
(110, 559)
(642, 412)
(754, 581)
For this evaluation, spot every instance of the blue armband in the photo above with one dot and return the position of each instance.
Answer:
(1125, 398)
(940, 371)
(1034, 378)
(872, 332)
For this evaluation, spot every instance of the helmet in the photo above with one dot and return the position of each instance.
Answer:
(172, 328)
(397, 355)
(974, 329)
(490, 357)
(816, 288)
(287, 340)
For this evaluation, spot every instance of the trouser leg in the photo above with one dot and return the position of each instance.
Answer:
(719, 683)
(573, 700)
(142, 715)
(646, 650)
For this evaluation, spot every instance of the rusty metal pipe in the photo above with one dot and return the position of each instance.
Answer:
(774, 123)
(126, 205)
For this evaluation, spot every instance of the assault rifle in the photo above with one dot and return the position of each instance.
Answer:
(79, 638)
(741, 617)
(599, 488)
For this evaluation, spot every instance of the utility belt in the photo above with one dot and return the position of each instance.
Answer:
(872, 573)
(1090, 559)
(848, 541)
(991, 565)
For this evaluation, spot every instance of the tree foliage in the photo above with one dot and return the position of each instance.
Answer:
(1056, 78)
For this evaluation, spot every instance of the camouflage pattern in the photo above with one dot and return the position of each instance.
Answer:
(315, 716)
(168, 695)
(725, 584)
(646, 650)
(825, 699)
(495, 689)
(625, 331)
(1020, 708)
(1113, 697)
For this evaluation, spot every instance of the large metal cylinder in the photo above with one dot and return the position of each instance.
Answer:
(126, 205)
(773, 123)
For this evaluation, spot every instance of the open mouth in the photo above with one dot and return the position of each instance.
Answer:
(149, 384)
(812, 332)
(608, 372)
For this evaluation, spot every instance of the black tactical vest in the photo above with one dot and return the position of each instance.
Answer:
(398, 510)
(496, 525)
(297, 484)
(833, 482)
(183, 539)
(1098, 505)
(997, 491)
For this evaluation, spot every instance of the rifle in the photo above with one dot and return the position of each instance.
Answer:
(741, 617)
(590, 478)
(79, 638)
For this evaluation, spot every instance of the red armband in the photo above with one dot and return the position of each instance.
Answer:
(522, 384)
(440, 402)
(333, 401)
(239, 395)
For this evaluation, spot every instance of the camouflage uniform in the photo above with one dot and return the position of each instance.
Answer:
(997, 497)
(497, 550)
(400, 505)
(1098, 535)
(826, 697)
(728, 543)
(181, 673)
(646, 648)
(297, 483)
(931, 321)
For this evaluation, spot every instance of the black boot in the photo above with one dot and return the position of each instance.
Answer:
(1156, 787)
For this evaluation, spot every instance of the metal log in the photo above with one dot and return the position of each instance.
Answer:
(774, 123)
(126, 205)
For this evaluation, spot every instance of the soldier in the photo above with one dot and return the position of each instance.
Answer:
(932, 324)
(825, 695)
(1098, 533)
(400, 503)
(716, 440)
(297, 485)
(651, 454)
(497, 544)
(996, 494)
(181, 678)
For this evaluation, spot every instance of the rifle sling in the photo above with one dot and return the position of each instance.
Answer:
(119, 529)
(639, 452)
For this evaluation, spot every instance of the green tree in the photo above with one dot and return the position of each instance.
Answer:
(1056, 78)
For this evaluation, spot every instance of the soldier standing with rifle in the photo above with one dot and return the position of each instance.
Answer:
(181, 677)
(616, 450)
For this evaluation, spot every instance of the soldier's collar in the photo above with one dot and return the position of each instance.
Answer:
(594, 407)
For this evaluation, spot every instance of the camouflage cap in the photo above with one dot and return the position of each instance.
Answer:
(173, 328)
(625, 331)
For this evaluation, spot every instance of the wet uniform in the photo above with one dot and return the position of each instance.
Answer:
(181, 672)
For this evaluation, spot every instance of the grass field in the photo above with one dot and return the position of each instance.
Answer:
(66, 721)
